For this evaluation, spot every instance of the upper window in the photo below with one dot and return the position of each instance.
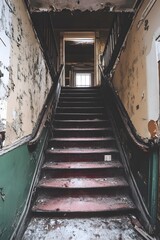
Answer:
(83, 79)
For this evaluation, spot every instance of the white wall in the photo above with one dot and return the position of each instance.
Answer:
(26, 79)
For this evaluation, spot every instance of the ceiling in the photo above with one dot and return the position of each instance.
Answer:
(82, 5)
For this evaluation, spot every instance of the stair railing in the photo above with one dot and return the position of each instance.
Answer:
(47, 110)
(140, 156)
(116, 36)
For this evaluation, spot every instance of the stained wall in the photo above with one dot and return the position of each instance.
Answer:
(24, 76)
(136, 75)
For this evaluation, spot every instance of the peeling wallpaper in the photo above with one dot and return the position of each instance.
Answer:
(24, 76)
(136, 75)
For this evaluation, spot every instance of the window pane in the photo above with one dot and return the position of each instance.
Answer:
(83, 79)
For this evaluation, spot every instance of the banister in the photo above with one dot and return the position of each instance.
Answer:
(46, 110)
(143, 144)
(141, 156)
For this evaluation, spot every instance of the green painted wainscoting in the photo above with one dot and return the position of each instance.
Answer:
(18, 171)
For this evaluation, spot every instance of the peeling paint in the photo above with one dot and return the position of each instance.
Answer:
(136, 74)
(83, 5)
(24, 77)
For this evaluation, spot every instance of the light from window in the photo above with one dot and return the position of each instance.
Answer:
(83, 79)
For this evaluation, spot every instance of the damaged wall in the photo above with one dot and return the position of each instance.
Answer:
(136, 75)
(26, 80)
(83, 5)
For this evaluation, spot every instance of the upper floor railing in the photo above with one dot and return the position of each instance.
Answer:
(117, 34)
(44, 28)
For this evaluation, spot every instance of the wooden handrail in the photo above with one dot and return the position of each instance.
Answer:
(143, 144)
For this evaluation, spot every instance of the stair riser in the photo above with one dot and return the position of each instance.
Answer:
(81, 144)
(80, 95)
(79, 116)
(84, 99)
(87, 173)
(81, 124)
(79, 134)
(80, 90)
(82, 193)
(80, 110)
(84, 214)
(80, 104)
(79, 157)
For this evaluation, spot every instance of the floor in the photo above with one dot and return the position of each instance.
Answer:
(115, 228)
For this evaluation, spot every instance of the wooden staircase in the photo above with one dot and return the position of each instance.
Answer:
(82, 175)
(76, 178)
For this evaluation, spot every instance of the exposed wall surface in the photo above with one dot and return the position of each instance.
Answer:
(136, 76)
(83, 5)
(24, 78)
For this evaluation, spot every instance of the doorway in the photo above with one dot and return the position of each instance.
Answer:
(79, 57)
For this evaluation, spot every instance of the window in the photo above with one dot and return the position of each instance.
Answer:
(83, 79)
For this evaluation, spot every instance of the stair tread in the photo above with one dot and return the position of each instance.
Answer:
(83, 121)
(83, 139)
(82, 165)
(85, 113)
(83, 129)
(86, 183)
(82, 150)
(95, 203)
(80, 107)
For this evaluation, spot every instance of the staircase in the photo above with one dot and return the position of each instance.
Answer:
(82, 176)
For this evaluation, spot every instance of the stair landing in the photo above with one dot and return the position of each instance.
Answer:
(112, 228)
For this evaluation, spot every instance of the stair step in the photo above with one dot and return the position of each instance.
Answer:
(79, 116)
(80, 94)
(78, 99)
(80, 89)
(92, 123)
(82, 151)
(79, 109)
(81, 154)
(86, 204)
(82, 142)
(80, 104)
(82, 132)
(82, 169)
(82, 165)
(85, 183)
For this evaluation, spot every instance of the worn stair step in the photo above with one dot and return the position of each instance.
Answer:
(83, 183)
(78, 116)
(110, 165)
(80, 110)
(80, 95)
(92, 123)
(82, 169)
(82, 99)
(83, 132)
(80, 104)
(59, 206)
(97, 142)
(81, 154)
(81, 89)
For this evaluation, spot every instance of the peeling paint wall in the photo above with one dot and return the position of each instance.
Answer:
(136, 75)
(25, 80)
(83, 5)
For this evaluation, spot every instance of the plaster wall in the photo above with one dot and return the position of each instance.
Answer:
(25, 79)
(136, 74)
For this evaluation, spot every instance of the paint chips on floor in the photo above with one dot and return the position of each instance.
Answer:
(117, 228)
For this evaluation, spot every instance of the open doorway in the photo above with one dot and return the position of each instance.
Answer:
(79, 52)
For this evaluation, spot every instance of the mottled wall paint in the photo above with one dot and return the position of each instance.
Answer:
(26, 79)
(136, 75)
